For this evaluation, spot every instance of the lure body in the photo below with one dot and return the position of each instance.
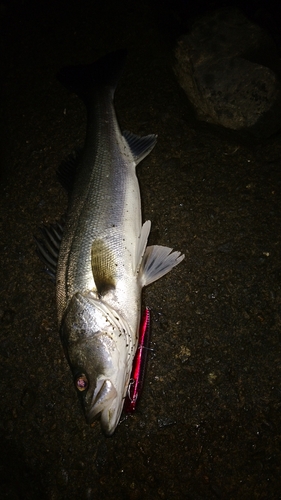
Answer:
(139, 364)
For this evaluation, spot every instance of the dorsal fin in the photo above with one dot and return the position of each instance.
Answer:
(48, 247)
(67, 170)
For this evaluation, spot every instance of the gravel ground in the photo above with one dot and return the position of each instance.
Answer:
(208, 425)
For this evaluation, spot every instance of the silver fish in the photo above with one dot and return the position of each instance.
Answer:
(103, 258)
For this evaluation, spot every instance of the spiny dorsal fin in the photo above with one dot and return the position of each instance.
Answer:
(48, 247)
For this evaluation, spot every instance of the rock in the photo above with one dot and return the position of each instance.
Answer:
(220, 65)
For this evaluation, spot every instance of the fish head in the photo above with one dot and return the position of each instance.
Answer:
(97, 344)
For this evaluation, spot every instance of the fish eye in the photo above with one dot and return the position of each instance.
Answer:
(81, 382)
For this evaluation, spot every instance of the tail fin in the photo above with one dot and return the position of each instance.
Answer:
(83, 79)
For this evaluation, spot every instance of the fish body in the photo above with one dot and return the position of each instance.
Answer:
(103, 261)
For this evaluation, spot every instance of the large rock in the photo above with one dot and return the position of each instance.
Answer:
(220, 65)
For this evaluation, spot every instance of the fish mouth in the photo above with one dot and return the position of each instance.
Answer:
(104, 396)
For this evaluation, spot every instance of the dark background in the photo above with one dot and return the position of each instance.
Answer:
(208, 424)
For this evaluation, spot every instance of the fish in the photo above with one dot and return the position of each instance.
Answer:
(98, 255)
(139, 364)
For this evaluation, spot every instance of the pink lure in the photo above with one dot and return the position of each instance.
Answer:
(139, 363)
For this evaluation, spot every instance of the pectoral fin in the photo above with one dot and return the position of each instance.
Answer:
(103, 267)
(158, 261)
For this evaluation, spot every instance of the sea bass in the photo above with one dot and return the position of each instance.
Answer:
(100, 254)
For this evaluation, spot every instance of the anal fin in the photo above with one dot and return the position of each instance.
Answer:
(140, 146)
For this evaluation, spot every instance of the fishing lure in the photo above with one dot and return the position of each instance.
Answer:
(139, 364)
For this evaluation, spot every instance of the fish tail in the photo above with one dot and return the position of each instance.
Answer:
(84, 79)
